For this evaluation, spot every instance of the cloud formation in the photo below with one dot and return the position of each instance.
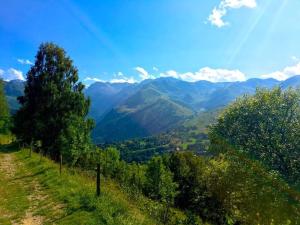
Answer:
(207, 73)
(93, 79)
(24, 62)
(284, 74)
(144, 75)
(155, 68)
(130, 80)
(11, 74)
(217, 14)
(121, 78)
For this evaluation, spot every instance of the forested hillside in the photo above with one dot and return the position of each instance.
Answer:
(145, 113)
(190, 134)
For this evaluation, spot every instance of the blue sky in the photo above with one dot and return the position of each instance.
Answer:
(132, 40)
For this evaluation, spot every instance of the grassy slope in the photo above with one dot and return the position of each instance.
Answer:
(70, 196)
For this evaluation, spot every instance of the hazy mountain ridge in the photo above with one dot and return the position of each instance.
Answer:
(13, 89)
(124, 110)
(146, 112)
(151, 107)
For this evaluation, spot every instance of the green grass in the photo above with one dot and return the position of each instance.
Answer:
(61, 199)
(76, 194)
(13, 201)
(69, 198)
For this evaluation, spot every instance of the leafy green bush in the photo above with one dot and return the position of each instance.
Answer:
(266, 127)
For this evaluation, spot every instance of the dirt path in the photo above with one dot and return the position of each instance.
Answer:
(13, 172)
(7, 166)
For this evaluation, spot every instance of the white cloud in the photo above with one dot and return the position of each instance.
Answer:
(11, 74)
(155, 68)
(209, 74)
(236, 4)
(284, 74)
(130, 80)
(170, 73)
(217, 14)
(216, 17)
(121, 78)
(120, 74)
(93, 79)
(142, 73)
(24, 62)
(295, 58)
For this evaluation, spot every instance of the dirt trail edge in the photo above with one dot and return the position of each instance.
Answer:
(37, 198)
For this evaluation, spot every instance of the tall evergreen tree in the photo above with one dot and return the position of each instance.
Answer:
(4, 110)
(53, 108)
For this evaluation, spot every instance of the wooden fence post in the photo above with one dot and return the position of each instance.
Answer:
(98, 179)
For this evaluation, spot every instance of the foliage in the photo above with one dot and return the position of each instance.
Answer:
(53, 108)
(233, 189)
(226, 189)
(4, 111)
(193, 194)
(159, 181)
(265, 126)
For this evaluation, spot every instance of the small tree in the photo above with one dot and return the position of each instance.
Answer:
(153, 174)
(168, 192)
(110, 159)
(160, 184)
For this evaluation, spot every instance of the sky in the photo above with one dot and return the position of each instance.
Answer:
(133, 40)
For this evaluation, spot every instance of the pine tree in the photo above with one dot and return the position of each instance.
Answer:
(54, 108)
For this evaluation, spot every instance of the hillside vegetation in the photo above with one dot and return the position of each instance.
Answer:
(189, 135)
(33, 192)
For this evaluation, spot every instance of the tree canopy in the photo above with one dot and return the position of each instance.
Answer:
(266, 127)
(54, 108)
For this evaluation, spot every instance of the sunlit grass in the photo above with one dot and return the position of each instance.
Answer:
(77, 194)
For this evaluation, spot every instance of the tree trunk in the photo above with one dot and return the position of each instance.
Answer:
(105, 171)
(166, 214)
(98, 180)
(41, 155)
(60, 163)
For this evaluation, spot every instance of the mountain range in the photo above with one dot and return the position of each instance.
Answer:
(124, 111)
